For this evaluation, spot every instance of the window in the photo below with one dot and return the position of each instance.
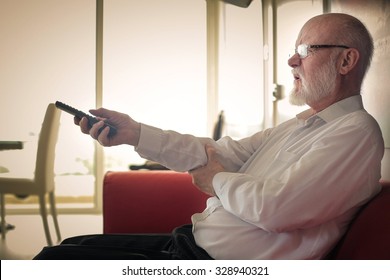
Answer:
(241, 69)
(155, 67)
(47, 53)
(288, 26)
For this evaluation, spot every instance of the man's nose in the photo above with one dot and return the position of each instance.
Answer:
(294, 61)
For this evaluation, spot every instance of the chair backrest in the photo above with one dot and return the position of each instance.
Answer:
(368, 236)
(44, 168)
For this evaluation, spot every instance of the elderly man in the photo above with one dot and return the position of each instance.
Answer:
(287, 192)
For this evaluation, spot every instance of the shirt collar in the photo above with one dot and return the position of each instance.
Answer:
(336, 110)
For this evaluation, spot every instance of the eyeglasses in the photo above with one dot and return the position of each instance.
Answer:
(302, 50)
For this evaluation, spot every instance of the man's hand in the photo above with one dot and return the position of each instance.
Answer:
(128, 131)
(203, 176)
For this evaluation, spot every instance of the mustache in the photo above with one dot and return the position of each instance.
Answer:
(296, 72)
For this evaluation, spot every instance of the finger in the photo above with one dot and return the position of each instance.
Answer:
(84, 125)
(95, 130)
(101, 112)
(76, 120)
(196, 171)
(103, 136)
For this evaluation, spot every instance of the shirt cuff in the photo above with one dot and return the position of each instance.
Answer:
(219, 181)
(149, 145)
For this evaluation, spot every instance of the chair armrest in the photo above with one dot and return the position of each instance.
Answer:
(149, 201)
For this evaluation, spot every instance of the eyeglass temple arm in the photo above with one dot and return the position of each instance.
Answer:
(328, 46)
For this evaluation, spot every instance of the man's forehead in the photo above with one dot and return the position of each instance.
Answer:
(315, 31)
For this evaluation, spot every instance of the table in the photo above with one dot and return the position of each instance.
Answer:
(10, 145)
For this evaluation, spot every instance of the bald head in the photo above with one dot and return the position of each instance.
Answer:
(343, 29)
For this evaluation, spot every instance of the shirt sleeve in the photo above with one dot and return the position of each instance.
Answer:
(184, 152)
(338, 173)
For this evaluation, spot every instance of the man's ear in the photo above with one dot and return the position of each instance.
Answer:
(350, 58)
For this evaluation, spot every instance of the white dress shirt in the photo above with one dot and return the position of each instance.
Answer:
(290, 191)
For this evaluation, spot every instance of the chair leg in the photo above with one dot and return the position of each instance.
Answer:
(3, 223)
(42, 206)
(54, 215)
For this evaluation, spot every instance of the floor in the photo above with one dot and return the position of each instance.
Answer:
(28, 237)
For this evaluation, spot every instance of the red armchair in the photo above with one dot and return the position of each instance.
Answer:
(159, 201)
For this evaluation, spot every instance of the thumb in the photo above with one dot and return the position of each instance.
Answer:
(101, 112)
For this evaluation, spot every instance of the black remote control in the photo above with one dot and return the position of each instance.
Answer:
(80, 114)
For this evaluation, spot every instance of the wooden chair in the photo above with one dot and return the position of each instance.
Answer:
(43, 181)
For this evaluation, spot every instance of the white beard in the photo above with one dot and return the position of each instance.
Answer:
(315, 88)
